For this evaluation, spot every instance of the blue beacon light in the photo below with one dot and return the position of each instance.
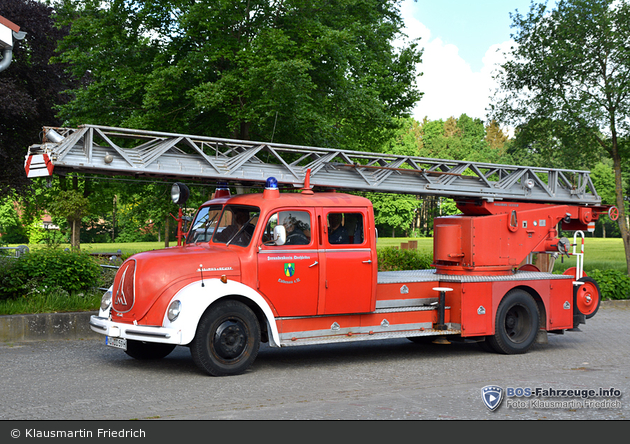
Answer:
(271, 188)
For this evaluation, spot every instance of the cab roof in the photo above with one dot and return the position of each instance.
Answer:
(298, 199)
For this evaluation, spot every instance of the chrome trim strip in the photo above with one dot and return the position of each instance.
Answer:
(145, 333)
(296, 251)
(100, 327)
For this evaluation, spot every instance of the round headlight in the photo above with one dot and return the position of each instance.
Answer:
(173, 310)
(106, 300)
(179, 193)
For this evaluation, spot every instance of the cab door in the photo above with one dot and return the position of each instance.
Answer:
(350, 270)
(288, 275)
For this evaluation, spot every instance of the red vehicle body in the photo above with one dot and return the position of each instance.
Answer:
(235, 283)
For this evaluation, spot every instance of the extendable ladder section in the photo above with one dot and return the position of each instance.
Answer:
(119, 151)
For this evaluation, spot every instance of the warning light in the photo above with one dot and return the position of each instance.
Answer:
(271, 184)
(271, 189)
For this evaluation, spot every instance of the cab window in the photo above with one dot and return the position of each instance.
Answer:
(202, 228)
(296, 223)
(345, 228)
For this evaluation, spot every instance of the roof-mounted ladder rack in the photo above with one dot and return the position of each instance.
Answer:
(119, 151)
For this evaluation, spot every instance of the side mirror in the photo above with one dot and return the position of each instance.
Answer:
(279, 235)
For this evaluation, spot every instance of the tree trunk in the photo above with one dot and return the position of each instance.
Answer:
(75, 242)
(114, 218)
(623, 226)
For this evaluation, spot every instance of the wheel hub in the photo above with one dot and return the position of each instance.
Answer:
(230, 339)
(515, 322)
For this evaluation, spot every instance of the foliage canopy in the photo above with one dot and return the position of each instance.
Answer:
(566, 84)
(314, 72)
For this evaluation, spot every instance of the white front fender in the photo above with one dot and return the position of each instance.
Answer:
(195, 298)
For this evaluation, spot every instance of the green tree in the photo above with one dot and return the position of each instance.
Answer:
(316, 72)
(603, 178)
(393, 210)
(72, 206)
(11, 229)
(570, 69)
(495, 137)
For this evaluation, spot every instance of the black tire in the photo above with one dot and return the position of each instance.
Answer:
(587, 297)
(227, 339)
(148, 350)
(486, 346)
(421, 339)
(516, 325)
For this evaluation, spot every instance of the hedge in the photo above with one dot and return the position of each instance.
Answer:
(393, 259)
(613, 284)
(47, 268)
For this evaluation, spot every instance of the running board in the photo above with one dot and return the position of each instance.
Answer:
(383, 323)
(366, 336)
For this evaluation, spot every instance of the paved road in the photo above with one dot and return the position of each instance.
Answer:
(378, 380)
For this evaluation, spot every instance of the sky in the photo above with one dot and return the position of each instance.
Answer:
(460, 40)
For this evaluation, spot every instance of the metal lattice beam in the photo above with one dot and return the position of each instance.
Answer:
(119, 151)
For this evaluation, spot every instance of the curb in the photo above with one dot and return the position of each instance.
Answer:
(56, 326)
(46, 326)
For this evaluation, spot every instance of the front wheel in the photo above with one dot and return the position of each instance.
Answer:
(227, 339)
(516, 323)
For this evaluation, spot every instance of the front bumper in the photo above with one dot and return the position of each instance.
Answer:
(145, 333)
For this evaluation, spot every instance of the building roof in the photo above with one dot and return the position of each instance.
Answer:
(9, 24)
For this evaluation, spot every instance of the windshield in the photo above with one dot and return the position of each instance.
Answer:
(204, 224)
(236, 225)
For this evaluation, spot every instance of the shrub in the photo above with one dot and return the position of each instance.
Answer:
(613, 284)
(49, 268)
(12, 280)
(393, 259)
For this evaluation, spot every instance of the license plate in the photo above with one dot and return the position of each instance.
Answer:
(120, 343)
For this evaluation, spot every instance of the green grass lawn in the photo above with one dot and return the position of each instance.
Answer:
(599, 253)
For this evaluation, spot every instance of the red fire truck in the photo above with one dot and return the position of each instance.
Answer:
(300, 267)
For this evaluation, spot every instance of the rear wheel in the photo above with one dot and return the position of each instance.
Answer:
(587, 297)
(516, 323)
(227, 340)
(148, 350)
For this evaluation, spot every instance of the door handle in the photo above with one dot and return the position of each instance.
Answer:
(313, 264)
(368, 262)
